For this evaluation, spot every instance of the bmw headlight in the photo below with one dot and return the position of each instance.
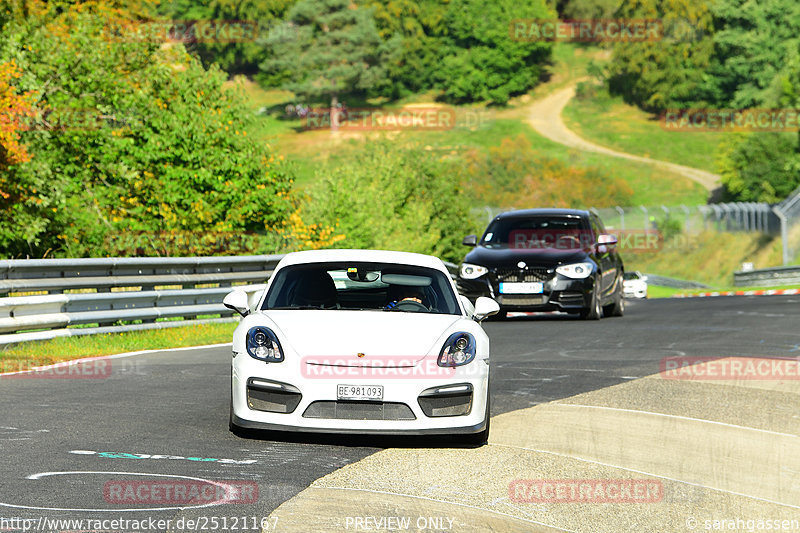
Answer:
(263, 344)
(576, 270)
(458, 350)
(469, 271)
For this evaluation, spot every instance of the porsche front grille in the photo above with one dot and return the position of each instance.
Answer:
(343, 410)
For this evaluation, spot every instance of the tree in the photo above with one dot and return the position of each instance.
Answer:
(129, 137)
(759, 167)
(329, 48)
(480, 61)
(15, 110)
(753, 44)
(239, 55)
(420, 25)
(668, 72)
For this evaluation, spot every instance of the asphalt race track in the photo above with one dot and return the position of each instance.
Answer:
(163, 415)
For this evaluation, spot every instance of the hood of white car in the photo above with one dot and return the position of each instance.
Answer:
(337, 337)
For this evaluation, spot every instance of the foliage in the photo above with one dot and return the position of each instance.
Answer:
(129, 137)
(479, 59)
(329, 48)
(240, 56)
(15, 109)
(420, 25)
(513, 174)
(753, 43)
(588, 9)
(757, 167)
(389, 197)
(667, 73)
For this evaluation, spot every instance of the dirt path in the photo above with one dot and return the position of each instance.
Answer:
(545, 117)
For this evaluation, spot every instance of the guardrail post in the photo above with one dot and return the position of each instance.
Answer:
(784, 234)
(621, 216)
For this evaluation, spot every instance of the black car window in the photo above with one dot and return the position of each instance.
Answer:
(538, 231)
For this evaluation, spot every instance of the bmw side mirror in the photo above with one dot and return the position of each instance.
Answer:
(605, 242)
(470, 240)
(237, 300)
(484, 308)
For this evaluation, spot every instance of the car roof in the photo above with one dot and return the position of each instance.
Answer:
(544, 211)
(371, 256)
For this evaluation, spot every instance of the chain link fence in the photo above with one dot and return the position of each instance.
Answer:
(757, 217)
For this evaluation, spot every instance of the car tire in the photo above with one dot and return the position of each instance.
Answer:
(594, 312)
(618, 307)
(479, 439)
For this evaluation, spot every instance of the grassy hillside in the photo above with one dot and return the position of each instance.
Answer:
(610, 122)
(315, 152)
(710, 257)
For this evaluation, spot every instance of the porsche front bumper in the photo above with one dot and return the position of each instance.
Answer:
(286, 397)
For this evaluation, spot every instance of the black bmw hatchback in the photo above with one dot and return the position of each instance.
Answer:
(546, 260)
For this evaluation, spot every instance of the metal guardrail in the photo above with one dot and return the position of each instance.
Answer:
(767, 277)
(664, 281)
(46, 316)
(114, 292)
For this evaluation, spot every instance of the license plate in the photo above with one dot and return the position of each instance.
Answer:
(534, 287)
(359, 392)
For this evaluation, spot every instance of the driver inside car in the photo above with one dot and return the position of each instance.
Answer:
(404, 294)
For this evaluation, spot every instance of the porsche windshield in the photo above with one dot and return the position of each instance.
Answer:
(362, 286)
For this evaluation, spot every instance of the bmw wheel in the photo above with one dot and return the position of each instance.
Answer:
(594, 311)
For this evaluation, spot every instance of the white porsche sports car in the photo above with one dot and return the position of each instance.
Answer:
(361, 341)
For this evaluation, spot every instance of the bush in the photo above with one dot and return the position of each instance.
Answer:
(394, 198)
(130, 137)
(513, 174)
(758, 167)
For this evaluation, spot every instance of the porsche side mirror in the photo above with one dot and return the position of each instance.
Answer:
(238, 301)
(485, 307)
(470, 240)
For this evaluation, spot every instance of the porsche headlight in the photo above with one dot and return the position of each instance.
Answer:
(469, 271)
(263, 344)
(576, 270)
(458, 350)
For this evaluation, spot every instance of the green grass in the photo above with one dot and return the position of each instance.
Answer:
(710, 257)
(37, 353)
(314, 152)
(608, 121)
(655, 291)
